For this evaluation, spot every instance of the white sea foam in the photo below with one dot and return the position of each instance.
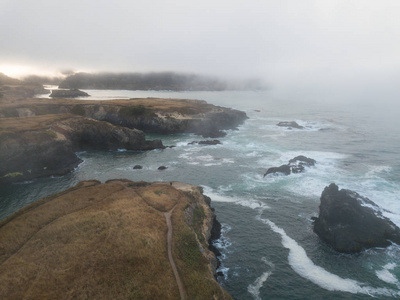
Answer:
(386, 275)
(374, 171)
(181, 144)
(302, 265)
(246, 202)
(254, 288)
(223, 244)
(384, 194)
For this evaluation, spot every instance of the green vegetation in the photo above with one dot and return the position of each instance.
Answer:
(78, 110)
(189, 251)
(159, 193)
(50, 133)
(136, 111)
(14, 174)
(198, 217)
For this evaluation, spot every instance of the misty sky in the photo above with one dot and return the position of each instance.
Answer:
(299, 42)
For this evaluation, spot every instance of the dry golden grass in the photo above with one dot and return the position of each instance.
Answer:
(103, 241)
(41, 122)
(157, 104)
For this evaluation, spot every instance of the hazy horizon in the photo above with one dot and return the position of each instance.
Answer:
(325, 47)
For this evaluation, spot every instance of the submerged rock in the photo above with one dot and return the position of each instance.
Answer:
(162, 168)
(207, 142)
(350, 223)
(295, 165)
(73, 93)
(137, 167)
(290, 125)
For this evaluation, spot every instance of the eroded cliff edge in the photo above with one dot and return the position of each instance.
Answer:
(109, 241)
(39, 146)
(151, 115)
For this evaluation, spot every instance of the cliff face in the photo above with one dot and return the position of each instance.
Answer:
(164, 116)
(45, 145)
(109, 241)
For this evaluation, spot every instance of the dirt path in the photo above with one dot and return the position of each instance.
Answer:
(171, 259)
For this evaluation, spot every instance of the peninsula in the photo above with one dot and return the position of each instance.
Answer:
(117, 240)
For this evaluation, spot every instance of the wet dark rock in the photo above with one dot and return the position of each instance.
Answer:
(290, 125)
(210, 142)
(284, 169)
(350, 223)
(138, 167)
(73, 93)
(162, 168)
(207, 142)
(298, 163)
(295, 165)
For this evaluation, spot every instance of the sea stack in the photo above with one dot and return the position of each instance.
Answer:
(350, 223)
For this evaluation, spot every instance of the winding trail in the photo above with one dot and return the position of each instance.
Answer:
(171, 259)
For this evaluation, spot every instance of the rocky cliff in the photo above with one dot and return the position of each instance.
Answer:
(151, 115)
(111, 241)
(40, 146)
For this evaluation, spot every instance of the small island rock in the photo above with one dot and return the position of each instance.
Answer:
(73, 93)
(162, 168)
(290, 125)
(295, 165)
(137, 167)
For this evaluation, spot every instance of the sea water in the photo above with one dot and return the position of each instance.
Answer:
(269, 250)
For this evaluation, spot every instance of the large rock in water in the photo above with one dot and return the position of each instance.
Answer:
(348, 222)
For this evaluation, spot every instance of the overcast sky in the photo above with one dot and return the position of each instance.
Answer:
(280, 41)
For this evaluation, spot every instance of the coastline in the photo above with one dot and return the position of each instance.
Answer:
(39, 137)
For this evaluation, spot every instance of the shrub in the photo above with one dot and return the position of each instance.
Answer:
(136, 111)
(78, 110)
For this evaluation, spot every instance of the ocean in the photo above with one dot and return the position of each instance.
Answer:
(269, 250)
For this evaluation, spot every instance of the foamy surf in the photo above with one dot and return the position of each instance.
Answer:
(387, 276)
(254, 288)
(223, 244)
(302, 265)
(246, 202)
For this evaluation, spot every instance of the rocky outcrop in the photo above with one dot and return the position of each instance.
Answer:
(290, 125)
(350, 223)
(108, 241)
(73, 93)
(295, 165)
(45, 145)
